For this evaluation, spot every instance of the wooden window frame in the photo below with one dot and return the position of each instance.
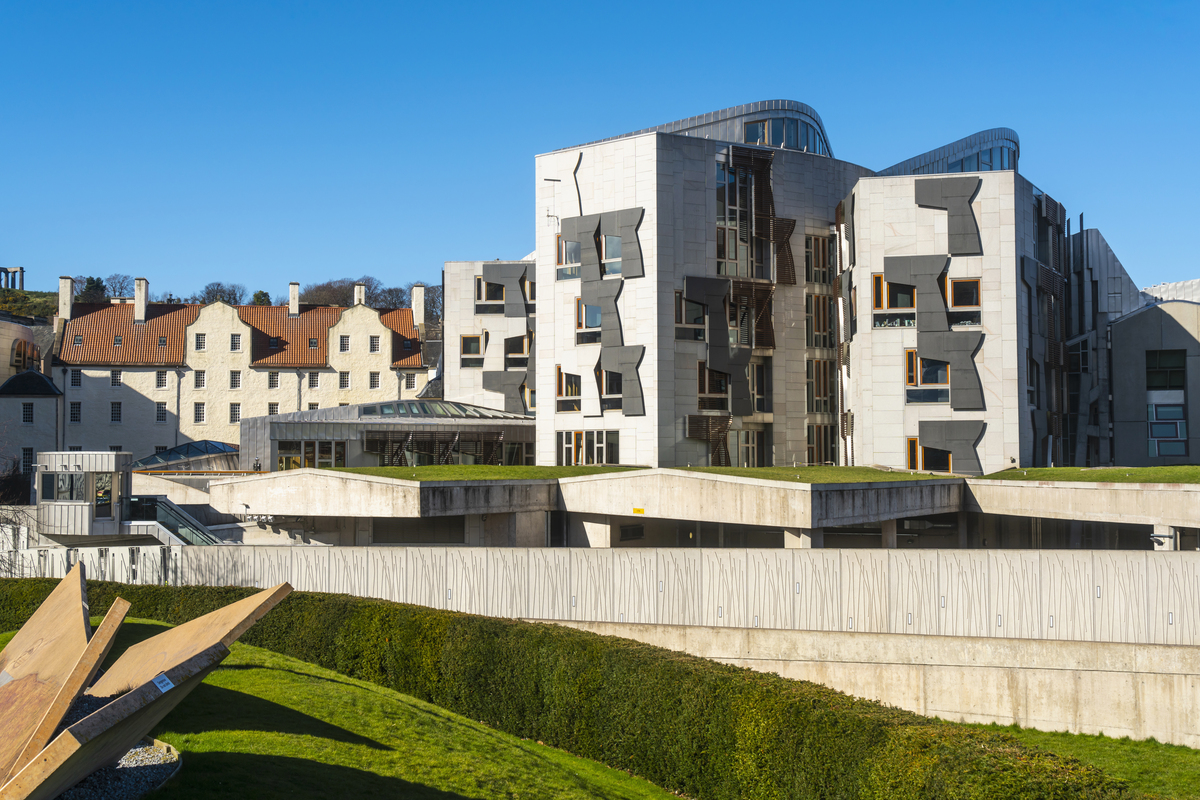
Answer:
(913, 453)
(922, 370)
(978, 292)
(462, 342)
(949, 460)
(878, 291)
(911, 374)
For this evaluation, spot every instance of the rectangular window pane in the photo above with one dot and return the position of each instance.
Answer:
(900, 296)
(965, 293)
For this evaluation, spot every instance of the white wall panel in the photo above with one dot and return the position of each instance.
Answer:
(963, 587)
(724, 581)
(1014, 594)
(1174, 597)
(865, 590)
(389, 573)
(272, 565)
(769, 594)
(310, 568)
(913, 591)
(349, 571)
(467, 579)
(635, 584)
(1121, 608)
(427, 576)
(680, 587)
(508, 582)
(1068, 594)
(550, 583)
(817, 588)
(150, 565)
(592, 584)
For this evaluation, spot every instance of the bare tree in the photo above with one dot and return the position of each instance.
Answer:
(433, 303)
(393, 297)
(119, 285)
(340, 292)
(232, 293)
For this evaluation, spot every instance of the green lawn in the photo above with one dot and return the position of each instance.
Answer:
(481, 472)
(264, 725)
(818, 474)
(1181, 474)
(1167, 770)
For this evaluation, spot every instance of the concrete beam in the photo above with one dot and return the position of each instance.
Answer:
(1173, 504)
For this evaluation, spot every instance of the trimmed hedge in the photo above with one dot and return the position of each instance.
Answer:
(704, 729)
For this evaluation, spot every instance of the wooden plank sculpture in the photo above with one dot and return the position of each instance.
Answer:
(52, 660)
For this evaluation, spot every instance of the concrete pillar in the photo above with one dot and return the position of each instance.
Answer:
(963, 537)
(889, 533)
(1165, 538)
(66, 297)
(803, 538)
(362, 531)
(293, 299)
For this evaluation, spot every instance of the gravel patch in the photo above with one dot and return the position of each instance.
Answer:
(140, 771)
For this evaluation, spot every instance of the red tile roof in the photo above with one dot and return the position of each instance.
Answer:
(100, 323)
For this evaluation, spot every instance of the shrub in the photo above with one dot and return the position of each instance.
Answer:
(691, 725)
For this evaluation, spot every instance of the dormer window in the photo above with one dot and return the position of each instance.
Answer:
(116, 341)
(274, 342)
(162, 341)
(312, 344)
(408, 344)
(78, 341)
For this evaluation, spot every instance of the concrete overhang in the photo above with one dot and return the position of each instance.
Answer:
(676, 494)
(324, 493)
(1173, 504)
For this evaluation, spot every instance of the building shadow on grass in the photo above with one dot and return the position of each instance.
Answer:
(214, 708)
(247, 775)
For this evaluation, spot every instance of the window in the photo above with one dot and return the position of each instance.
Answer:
(160, 412)
(900, 296)
(114, 377)
(272, 409)
(587, 323)
(374, 344)
(609, 384)
(312, 344)
(343, 380)
(113, 448)
(586, 447)
(200, 341)
(343, 344)
(529, 396)
(235, 379)
(26, 460)
(933, 460)
(471, 350)
(820, 259)
(200, 379)
(117, 341)
(75, 448)
(410, 380)
(26, 413)
(1166, 370)
(374, 380)
(313, 406)
(162, 341)
(493, 292)
(964, 293)
(610, 258)
(408, 344)
(821, 389)
(76, 377)
(114, 412)
(235, 413)
(76, 412)
(273, 342)
(235, 343)
(272, 380)
(314, 380)
(198, 413)
(712, 388)
(910, 368)
(1167, 430)
(160, 448)
(822, 444)
(690, 316)
(928, 381)
(569, 389)
(820, 312)
(160, 379)
(568, 260)
(877, 292)
(913, 463)
(78, 340)
(64, 487)
(632, 532)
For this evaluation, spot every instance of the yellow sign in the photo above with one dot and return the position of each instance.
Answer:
(639, 511)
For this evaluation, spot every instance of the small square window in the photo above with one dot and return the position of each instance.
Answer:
(272, 380)
(314, 380)
(76, 377)
(76, 412)
(274, 343)
(162, 341)
(75, 448)
(470, 345)
(26, 413)
(312, 344)
(78, 340)
(235, 342)
(160, 448)
(235, 412)
(160, 412)
(160, 379)
(408, 344)
(114, 448)
(374, 380)
(313, 406)
(343, 344)
(200, 379)
(114, 412)
(198, 413)
(114, 378)
(343, 380)
(272, 408)
(201, 341)
(116, 341)
(374, 344)
(964, 293)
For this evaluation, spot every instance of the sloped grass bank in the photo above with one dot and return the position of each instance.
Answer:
(686, 724)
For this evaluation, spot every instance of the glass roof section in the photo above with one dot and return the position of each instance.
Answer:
(412, 409)
(184, 452)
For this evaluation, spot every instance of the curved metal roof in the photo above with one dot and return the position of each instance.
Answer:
(992, 137)
(186, 451)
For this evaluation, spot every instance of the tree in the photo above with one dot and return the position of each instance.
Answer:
(232, 293)
(165, 297)
(433, 303)
(119, 285)
(260, 298)
(340, 292)
(93, 291)
(393, 297)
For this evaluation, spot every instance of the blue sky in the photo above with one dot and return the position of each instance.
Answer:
(261, 143)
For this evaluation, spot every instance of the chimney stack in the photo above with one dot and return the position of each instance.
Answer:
(360, 294)
(141, 288)
(418, 305)
(293, 299)
(66, 297)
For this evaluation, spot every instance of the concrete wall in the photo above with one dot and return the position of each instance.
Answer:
(1170, 504)
(1119, 690)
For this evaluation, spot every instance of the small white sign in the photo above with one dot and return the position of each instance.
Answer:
(163, 683)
